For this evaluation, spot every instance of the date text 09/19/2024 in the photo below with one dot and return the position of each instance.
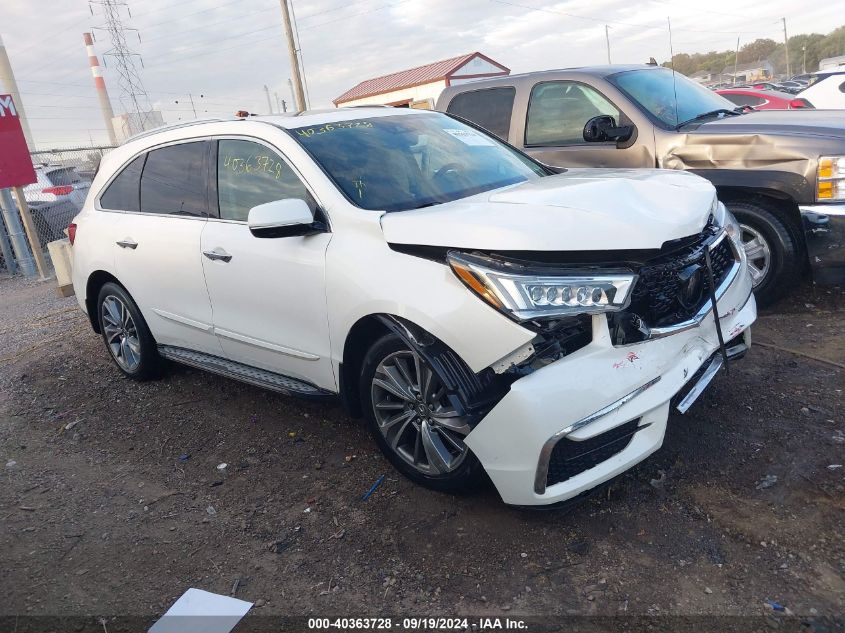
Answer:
(419, 623)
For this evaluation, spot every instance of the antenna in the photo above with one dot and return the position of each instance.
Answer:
(672, 57)
(133, 96)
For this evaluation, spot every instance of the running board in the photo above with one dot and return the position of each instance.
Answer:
(241, 372)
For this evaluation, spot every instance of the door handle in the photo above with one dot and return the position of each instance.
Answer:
(128, 243)
(218, 255)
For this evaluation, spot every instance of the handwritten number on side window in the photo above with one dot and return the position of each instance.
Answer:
(254, 164)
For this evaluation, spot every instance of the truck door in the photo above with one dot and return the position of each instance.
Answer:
(554, 126)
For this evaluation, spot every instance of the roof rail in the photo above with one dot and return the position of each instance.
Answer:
(174, 126)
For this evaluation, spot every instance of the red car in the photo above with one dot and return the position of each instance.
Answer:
(763, 99)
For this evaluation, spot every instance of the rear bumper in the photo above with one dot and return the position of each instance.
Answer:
(593, 391)
(824, 231)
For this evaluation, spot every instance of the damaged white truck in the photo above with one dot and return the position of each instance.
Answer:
(484, 314)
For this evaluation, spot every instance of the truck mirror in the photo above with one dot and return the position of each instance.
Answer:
(603, 128)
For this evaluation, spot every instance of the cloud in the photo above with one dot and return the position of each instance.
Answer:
(227, 50)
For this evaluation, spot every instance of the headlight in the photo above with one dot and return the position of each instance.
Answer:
(527, 293)
(830, 181)
(726, 220)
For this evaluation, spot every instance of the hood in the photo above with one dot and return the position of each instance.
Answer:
(580, 210)
(827, 123)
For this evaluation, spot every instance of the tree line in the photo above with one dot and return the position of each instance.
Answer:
(818, 47)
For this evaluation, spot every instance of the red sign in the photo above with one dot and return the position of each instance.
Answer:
(15, 163)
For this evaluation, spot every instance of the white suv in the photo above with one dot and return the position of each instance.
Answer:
(483, 313)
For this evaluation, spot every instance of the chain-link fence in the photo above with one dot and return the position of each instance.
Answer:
(64, 178)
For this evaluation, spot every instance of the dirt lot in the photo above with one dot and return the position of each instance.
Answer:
(112, 503)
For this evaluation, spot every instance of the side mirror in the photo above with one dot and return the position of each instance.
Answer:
(603, 128)
(283, 218)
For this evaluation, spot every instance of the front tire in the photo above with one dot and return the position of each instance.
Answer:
(413, 420)
(771, 247)
(126, 334)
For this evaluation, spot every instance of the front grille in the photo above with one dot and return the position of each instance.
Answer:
(656, 297)
(570, 457)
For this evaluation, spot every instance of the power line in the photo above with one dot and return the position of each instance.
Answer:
(605, 20)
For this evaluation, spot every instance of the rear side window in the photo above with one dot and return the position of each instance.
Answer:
(250, 174)
(744, 100)
(123, 194)
(490, 108)
(61, 177)
(174, 180)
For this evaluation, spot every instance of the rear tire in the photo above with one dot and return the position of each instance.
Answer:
(412, 420)
(126, 335)
(772, 248)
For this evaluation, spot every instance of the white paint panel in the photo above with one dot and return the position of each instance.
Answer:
(417, 93)
(477, 66)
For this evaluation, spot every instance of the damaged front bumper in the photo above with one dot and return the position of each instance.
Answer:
(582, 420)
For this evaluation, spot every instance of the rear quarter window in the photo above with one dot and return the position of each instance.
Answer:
(59, 177)
(490, 108)
(124, 192)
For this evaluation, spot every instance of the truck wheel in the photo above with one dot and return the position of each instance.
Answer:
(771, 249)
(413, 420)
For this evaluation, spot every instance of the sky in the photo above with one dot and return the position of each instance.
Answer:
(227, 50)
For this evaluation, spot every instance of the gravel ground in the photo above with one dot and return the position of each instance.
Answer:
(112, 501)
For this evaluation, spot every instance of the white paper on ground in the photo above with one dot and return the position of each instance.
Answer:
(198, 611)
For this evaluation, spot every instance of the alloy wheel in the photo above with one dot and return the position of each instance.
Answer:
(121, 334)
(415, 415)
(757, 253)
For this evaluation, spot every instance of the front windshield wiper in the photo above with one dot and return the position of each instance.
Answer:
(704, 115)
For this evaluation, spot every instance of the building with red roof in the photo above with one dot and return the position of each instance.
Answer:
(419, 87)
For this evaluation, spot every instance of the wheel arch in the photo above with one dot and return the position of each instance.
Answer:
(363, 333)
(777, 202)
(474, 391)
(96, 281)
(778, 191)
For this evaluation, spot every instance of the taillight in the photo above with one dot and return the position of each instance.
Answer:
(799, 103)
(61, 190)
(71, 232)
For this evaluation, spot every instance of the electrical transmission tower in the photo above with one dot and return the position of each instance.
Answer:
(133, 96)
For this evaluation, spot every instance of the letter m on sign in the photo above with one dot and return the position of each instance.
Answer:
(6, 104)
(15, 162)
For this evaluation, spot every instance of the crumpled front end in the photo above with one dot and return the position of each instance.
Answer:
(567, 426)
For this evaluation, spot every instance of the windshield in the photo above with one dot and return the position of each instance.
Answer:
(669, 101)
(401, 162)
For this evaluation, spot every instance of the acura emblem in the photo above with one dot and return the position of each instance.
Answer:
(691, 286)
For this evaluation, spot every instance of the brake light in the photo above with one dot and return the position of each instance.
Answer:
(61, 190)
(71, 232)
(799, 103)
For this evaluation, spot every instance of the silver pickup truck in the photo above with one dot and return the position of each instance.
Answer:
(781, 173)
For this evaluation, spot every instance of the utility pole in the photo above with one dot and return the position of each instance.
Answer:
(736, 59)
(10, 86)
(193, 107)
(804, 65)
(298, 93)
(269, 103)
(786, 48)
(280, 104)
(607, 37)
